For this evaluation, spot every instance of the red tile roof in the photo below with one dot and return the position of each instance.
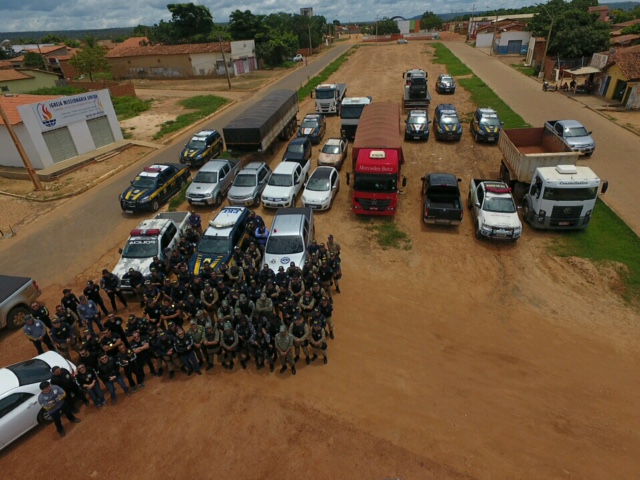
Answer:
(132, 48)
(10, 104)
(47, 50)
(6, 64)
(10, 74)
(625, 39)
(627, 24)
(628, 59)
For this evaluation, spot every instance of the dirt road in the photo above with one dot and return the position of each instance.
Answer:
(453, 359)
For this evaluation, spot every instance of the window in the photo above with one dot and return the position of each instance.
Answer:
(31, 371)
(168, 236)
(13, 401)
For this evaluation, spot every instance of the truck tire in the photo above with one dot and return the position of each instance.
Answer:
(15, 319)
(155, 206)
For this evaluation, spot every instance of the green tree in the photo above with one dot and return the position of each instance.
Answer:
(34, 60)
(633, 29)
(245, 25)
(275, 46)
(336, 23)
(386, 26)
(51, 38)
(190, 22)
(430, 21)
(90, 60)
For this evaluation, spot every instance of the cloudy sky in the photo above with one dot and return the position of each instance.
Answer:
(30, 15)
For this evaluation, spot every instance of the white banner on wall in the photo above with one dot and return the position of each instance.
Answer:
(67, 110)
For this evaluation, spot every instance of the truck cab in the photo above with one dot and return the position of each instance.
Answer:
(376, 181)
(562, 197)
(328, 97)
(350, 113)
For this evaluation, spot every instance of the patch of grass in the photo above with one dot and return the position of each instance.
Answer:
(330, 69)
(129, 107)
(179, 199)
(607, 239)
(481, 94)
(203, 106)
(454, 66)
(528, 71)
(388, 234)
(57, 91)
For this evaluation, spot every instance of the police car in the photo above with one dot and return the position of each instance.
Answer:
(153, 186)
(446, 123)
(485, 125)
(225, 232)
(313, 126)
(202, 147)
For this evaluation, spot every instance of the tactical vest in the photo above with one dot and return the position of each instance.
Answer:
(316, 334)
(298, 330)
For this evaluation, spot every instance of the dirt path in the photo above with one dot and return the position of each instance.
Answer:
(454, 359)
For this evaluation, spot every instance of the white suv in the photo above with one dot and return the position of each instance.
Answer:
(292, 232)
(284, 185)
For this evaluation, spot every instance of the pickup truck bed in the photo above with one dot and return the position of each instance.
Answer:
(442, 201)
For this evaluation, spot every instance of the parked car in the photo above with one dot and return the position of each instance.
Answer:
(292, 232)
(485, 125)
(333, 153)
(402, 41)
(16, 294)
(153, 186)
(19, 390)
(248, 184)
(284, 185)
(202, 147)
(445, 84)
(313, 126)
(321, 188)
(212, 181)
(298, 58)
(417, 127)
(446, 123)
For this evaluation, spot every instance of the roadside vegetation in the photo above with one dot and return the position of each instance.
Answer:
(129, 107)
(387, 233)
(202, 106)
(481, 94)
(329, 70)
(179, 198)
(57, 91)
(528, 71)
(608, 239)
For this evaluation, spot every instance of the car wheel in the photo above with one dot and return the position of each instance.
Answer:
(476, 137)
(469, 204)
(15, 319)
(218, 200)
(43, 417)
(155, 206)
(478, 234)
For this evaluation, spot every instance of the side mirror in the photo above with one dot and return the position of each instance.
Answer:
(477, 204)
(404, 181)
(120, 250)
(605, 187)
(589, 133)
(131, 182)
(348, 178)
(459, 180)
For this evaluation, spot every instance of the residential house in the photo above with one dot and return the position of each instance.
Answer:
(24, 80)
(510, 37)
(625, 40)
(135, 58)
(602, 11)
(51, 53)
(622, 77)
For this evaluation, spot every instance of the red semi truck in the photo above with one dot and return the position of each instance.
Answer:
(377, 161)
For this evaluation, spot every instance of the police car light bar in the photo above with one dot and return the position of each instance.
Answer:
(149, 232)
(152, 169)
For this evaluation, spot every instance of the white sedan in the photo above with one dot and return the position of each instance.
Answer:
(321, 189)
(19, 390)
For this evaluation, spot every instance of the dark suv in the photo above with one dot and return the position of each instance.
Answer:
(446, 123)
(298, 149)
(202, 147)
(417, 125)
(445, 84)
(313, 126)
(485, 125)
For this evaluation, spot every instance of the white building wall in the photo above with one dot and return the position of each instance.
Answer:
(484, 40)
(9, 156)
(507, 36)
(243, 48)
(404, 26)
(204, 63)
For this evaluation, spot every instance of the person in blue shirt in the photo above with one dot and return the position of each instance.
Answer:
(51, 398)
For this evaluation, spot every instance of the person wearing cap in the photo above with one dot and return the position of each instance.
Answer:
(68, 316)
(307, 303)
(334, 264)
(136, 324)
(184, 347)
(136, 282)
(195, 221)
(191, 305)
(209, 298)
(66, 380)
(317, 292)
(325, 274)
(185, 277)
(90, 342)
(150, 291)
(115, 324)
(229, 342)
(170, 312)
(192, 235)
(318, 341)
(36, 331)
(284, 346)
(89, 313)
(246, 337)
(225, 312)
(110, 283)
(51, 398)
(156, 277)
(247, 261)
(255, 253)
(290, 310)
(69, 300)
(92, 292)
(152, 312)
(246, 306)
(325, 309)
(127, 359)
(158, 265)
(40, 312)
(196, 286)
(300, 331)
(108, 371)
(262, 344)
(62, 335)
(211, 344)
(179, 292)
(196, 333)
(140, 345)
(87, 379)
(294, 270)
(297, 287)
(174, 262)
(162, 348)
(264, 306)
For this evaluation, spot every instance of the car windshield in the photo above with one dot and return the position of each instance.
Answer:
(140, 247)
(499, 205)
(309, 124)
(31, 371)
(296, 148)
(575, 132)
(245, 180)
(196, 144)
(144, 182)
(206, 177)
(331, 149)
(215, 245)
(280, 180)
(325, 94)
(316, 184)
(446, 79)
(449, 119)
(418, 120)
(491, 121)
(284, 245)
(570, 194)
(351, 111)
(366, 182)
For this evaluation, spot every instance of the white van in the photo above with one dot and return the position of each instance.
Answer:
(292, 232)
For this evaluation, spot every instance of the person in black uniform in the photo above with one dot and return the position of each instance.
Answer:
(246, 336)
(229, 343)
(90, 342)
(136, 281)
(87, 379)
(110, 342)
(65, 380)
(136, 324)
(110, 283)
(114, 324)
(317, 341)
(89, 359)
(92, 292)
(62, 335)
(152, 311)
(69, 300)
(170, 312)
(128, 361)
(184, 347)
(156, 277)
(109, 372)
(142, 348)
(162, 347)
(40, 312)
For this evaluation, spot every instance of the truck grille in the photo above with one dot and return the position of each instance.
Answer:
(565, 215)
(372, 204)
(196, 195)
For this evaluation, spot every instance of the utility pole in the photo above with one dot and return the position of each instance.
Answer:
(495, 29)
(471, 26)
(310, 45)
(376, 29)
(546, 45)
(224, 60)
(44, 59)
(23, 154)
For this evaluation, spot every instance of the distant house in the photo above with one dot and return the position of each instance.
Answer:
(622, 77)
(135, 58)
(510, 37)
(625, 40)
(25, 80)
(602, 11)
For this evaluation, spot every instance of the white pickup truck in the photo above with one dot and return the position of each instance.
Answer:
(154, 236)
(493, 210)
(16, 294)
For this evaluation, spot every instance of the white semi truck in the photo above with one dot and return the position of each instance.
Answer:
(329, 97)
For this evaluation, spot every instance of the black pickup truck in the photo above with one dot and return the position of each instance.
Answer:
(442, 202)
